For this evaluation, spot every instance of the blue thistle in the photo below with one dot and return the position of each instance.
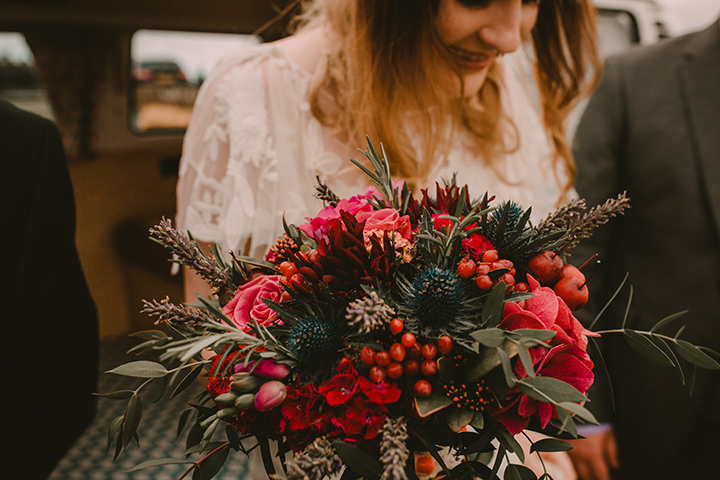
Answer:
(514, 213)
(436, 296)
(314, 341)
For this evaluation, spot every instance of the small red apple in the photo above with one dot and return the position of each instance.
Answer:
(546, 267)
(572, 271)
(573, 291)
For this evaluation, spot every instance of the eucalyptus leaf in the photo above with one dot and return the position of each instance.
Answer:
(113, 429)
(357, 460)
(486, 361)
(534, 333)
(567, 423)
(432, 404)
(459, 418)
(661, 323)
(492, 312)
(158, 462)
(211, 464)
(510, 379)
(519, 472)
(133, 414)
(694, 355)
(151, 335)
(478, 421)
(157, 389)
(482, 444)
(141, 369)
(548, 389)
(580, 411)
(647, 348)
(526, 360)
(550, 445)
(510, 444)
(489, 337)
(118, 395)
(187, 380)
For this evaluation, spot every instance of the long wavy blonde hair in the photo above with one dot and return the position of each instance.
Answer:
(382, 79)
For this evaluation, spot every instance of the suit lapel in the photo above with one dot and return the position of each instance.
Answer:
(699, 79)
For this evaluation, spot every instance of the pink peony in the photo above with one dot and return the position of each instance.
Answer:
(248, 301)
(563, 362)
(546, 311)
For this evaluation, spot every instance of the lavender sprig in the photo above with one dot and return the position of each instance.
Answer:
(167, 312)
(187, 252)
(579, 225)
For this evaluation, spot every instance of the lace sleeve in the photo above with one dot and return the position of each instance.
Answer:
(228, 162)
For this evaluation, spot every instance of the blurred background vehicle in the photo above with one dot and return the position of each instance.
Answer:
(164, 72)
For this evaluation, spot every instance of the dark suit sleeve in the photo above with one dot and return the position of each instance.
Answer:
(598, 150)
(52, 324)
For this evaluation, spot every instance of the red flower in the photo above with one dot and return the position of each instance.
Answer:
(475, 245)
(380, 392)
(302, 409)
(361, 419)
(340, 389)
(563, 362)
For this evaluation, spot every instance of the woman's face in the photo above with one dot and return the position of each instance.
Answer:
(475, 32)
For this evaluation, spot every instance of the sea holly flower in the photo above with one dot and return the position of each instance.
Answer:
(249, 302)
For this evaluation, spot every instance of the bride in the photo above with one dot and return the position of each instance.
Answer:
(436, 82)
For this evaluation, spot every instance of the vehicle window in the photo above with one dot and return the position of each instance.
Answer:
(617, 31)
(20, 83)
(167, 70)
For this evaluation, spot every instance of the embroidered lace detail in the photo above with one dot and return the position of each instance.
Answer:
(253, 149)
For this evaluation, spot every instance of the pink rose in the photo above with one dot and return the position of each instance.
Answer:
(387, 219)
(248, 301)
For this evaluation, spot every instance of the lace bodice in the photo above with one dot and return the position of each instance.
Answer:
(253, 150)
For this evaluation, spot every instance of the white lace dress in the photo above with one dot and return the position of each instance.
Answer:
(253, 150)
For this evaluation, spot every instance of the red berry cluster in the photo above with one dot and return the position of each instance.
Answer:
(490, 261)
(566, 280)
(406, 358)
(301, 270)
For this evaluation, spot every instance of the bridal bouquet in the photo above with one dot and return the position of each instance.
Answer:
(385, 326)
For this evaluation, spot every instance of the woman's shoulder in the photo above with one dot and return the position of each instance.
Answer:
(296, 55)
